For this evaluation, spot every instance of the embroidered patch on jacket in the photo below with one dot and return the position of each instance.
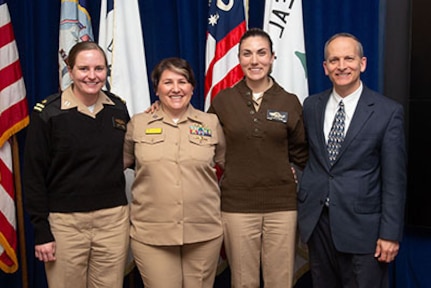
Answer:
(278, 116)
(119, 123)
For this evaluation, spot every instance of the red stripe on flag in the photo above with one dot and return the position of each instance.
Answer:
(6, 34)
(8, 260)
(10, 74)
(13, 119)
(7, 229)
(6, 180)
(4, 258)
(222, 47)
(231, 78)
(231, 39)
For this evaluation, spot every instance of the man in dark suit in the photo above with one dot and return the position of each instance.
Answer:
(351, 198)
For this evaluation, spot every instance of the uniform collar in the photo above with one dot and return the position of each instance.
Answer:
(190, 113)
(69, 101)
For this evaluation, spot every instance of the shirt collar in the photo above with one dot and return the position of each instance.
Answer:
(190, 113)
(352, 98)
(69, 101)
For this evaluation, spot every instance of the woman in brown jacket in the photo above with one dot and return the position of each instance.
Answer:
(265, 135)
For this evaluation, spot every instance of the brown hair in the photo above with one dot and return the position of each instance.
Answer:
(256, 32)
(83, 46)
(175, 64)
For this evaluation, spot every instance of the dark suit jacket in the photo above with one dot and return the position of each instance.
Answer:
(366, 184)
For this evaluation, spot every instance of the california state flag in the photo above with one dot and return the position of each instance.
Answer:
(283, 22)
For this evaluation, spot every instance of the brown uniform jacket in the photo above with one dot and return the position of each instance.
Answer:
(261, 145)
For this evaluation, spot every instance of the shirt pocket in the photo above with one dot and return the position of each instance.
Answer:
(149, 147)
(202, 148)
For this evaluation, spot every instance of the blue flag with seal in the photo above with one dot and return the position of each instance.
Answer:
(75, 26)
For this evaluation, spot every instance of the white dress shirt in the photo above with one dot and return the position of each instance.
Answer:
(350, 102)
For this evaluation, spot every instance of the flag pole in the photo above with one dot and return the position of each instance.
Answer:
(20, 212)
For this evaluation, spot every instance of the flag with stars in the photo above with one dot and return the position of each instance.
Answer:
(226, 24)
(13, 118)
(283, 22)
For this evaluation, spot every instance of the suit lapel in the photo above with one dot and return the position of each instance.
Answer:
(362, 113)
(320, 120)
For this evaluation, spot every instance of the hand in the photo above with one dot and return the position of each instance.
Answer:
(154, 107)
(45, 252)
(386, 250)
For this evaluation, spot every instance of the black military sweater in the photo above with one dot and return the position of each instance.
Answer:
(73, 162)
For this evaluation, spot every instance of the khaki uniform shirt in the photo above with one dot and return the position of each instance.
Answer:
(175, 195)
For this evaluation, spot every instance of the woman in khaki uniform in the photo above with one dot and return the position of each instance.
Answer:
(74, 180)
(176, 231)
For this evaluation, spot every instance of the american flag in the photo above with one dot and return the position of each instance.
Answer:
(226, 24)
(13, 118)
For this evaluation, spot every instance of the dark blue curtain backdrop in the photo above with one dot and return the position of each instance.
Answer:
(178, 28)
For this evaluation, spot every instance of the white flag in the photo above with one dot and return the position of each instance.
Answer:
(120, 35)
(283, 22)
